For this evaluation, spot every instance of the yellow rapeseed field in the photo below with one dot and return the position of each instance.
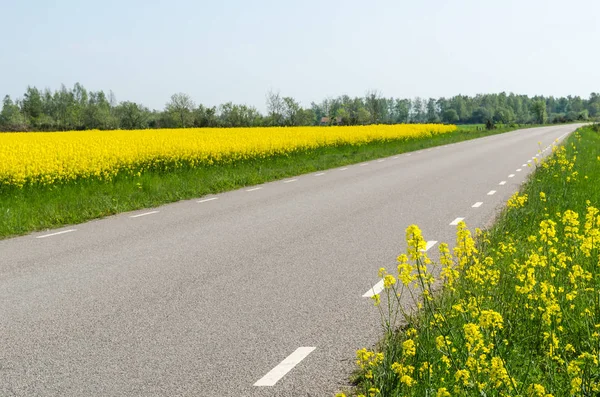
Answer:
(50, 158)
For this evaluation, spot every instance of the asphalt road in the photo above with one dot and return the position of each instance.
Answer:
(208, 297)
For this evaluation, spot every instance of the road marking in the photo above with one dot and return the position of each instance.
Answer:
(377, 288)
(57, 233)
(408, 154)
(284, 367)
(529, 161)
(343, 169)
(519, 170)
(396, 157)
(290, 180)
(144, 214)
(253, 189)
(429, 245)
(380, 161)
(491, 192)
(363, 164)
(429, 150)
(208, 199)
(320, 173)
(511, 175)
(456, 221)
(477, 204)
(524, 165)
(502, 183)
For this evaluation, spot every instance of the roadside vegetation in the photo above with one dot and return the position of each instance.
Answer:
(40, 200)
(512, 311)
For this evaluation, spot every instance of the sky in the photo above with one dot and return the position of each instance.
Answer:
(234, 50)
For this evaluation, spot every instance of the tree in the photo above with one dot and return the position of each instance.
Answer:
(11, 118)
(450, 116)
(538, 108)
(180, 107)
(132, 116)
(275, 108)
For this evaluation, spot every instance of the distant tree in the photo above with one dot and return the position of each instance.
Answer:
(364, 116)
(275, 108)
(180, 107)
(11, 118)
(432, 111)
(205, 117)
(450, 116)
(375, 106)
(538, 108)
(132, 116)
(291, 110)
(481, 115)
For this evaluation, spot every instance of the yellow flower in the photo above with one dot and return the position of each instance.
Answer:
(376, 299)
(462, 375)
(388, 281)
(442, 392)
(409, 348)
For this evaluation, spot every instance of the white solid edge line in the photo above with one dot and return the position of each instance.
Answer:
(57, 233)
(290, 180)
(253, 189)
(491, 192)
(477, 204)
(144, 214)
(502, 183)
(511, 175)
(456, 221)
(208, 199)
(284, 367)
(320, 173)
(377, 288)
(429, 245)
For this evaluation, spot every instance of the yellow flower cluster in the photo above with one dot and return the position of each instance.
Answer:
(49, 158)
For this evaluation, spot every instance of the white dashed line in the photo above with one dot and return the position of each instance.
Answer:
(477, 204)
(144, 214)
(395, 157)
(254, 189)
(343, 169)
(511, 175)
(377, 288)
(491, 192)
(363, 164)
(380, 161)
(524, 165)
(57, 233)
(409, 154)
(284, 367)
(320, 173)
(519, 170)
(456, 221)
(290, 180)
(208, 199)
(529, 161)
(429, 245)
(502, 183)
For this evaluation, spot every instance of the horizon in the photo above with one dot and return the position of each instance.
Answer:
(237, 52)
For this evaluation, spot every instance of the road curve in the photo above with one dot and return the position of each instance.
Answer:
(254, 292)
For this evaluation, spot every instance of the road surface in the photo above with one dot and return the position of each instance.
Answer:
(254, 292)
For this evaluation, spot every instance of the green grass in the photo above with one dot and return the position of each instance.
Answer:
(30, 209)
(535, 272)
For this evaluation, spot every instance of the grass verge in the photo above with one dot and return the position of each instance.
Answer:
(518, 313)
(29, 209)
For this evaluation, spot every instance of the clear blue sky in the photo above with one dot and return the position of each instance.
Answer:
(218, 51)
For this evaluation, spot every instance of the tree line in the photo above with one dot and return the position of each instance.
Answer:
(80, 109)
